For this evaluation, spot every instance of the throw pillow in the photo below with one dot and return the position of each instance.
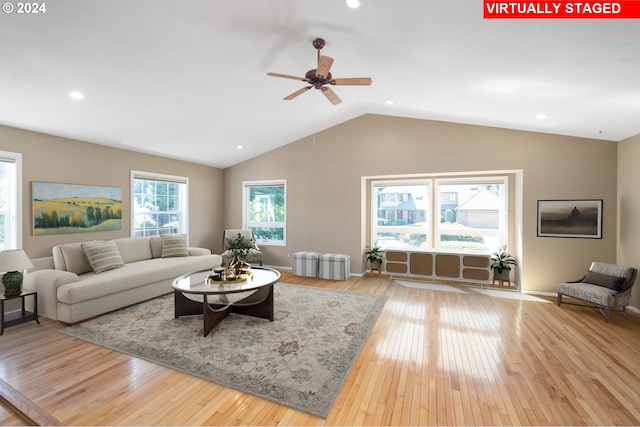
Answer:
(174, 245)
(611, 282)
(73, 258)
(103, 256)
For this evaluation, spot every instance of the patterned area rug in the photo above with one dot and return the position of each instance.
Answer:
(300, 360)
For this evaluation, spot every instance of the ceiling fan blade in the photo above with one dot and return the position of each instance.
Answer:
(296, 93)
(356, 81)
(331, 95)
(286, 76)
(324, 65)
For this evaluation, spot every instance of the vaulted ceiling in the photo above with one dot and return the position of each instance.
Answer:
(187, 79)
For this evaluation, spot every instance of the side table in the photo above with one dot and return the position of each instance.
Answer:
(18, 317)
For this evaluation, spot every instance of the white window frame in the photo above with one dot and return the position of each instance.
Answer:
(246, 186)
(174, 179)
(433, 205)
(13, 216)
(403, 229)
(501, 232)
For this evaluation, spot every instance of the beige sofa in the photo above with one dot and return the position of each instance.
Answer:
(70, 290)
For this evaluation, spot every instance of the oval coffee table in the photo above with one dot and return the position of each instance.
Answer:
(251, 297)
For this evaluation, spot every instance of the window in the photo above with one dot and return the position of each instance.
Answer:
(466, 214)
(10, 200)
(401, 213)
(264, 210)
(475, 219)
(160, 204)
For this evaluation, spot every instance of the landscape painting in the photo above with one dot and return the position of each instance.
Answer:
(73, 208)
(570, 218)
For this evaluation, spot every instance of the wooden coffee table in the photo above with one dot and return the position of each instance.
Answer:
(215, 300)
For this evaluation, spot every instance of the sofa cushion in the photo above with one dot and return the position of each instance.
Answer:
(156, 246)
(174, 245)
(606, 280)
(133, 249)
(133, 275)
(103, 256)
(70, 257)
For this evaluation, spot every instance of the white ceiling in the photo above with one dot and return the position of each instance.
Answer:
(187, 78)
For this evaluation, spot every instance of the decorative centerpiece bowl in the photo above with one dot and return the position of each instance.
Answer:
(221, 276)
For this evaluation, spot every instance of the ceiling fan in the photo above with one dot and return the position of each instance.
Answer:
(320, 77)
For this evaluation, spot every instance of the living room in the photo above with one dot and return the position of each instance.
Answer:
(317, 178)
(328, 164)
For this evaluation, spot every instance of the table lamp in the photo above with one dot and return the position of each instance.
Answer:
(13, 261)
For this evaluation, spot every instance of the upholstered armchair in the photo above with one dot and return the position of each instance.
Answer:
(254, 255)
(606, 286)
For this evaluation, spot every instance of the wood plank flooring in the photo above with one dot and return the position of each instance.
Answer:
(433, 358)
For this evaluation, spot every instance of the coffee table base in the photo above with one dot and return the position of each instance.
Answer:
(259, 304)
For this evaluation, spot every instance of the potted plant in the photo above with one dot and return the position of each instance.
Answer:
(239, 250)
(501, 262)
(375, 256)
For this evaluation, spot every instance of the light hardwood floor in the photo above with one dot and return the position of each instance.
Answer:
(433, 358)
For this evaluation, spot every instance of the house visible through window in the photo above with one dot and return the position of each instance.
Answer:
(477, 219)
(264, 210)
(10, 200)
(466, 214)
(401, 213)
(160, 204)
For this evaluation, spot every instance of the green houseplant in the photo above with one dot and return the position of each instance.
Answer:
(239, 249)
(375, 256)
(501, 262)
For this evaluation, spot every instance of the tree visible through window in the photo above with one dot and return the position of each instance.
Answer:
(264, 210)
(159, 204)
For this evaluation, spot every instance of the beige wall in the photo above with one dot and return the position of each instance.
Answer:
(629, 208)
(53, 159)
(324, 181)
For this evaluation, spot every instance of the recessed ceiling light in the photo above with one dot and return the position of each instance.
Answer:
(353, 4)
(542, 116)
(388, 102)
(240, 147)
(76, 95)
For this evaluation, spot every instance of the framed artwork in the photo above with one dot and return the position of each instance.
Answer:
(570, 218)
(75, 208)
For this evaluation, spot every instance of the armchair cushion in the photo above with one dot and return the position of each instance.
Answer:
(253, 256)
(600, 279)
(247, 238)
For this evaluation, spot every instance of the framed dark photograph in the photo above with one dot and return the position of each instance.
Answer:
(570, 218)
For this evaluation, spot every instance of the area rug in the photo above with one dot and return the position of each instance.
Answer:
(300, 360)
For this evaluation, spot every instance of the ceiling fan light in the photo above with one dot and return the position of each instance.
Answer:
(353, 4)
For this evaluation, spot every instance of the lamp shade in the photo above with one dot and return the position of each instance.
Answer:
(14, 260)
